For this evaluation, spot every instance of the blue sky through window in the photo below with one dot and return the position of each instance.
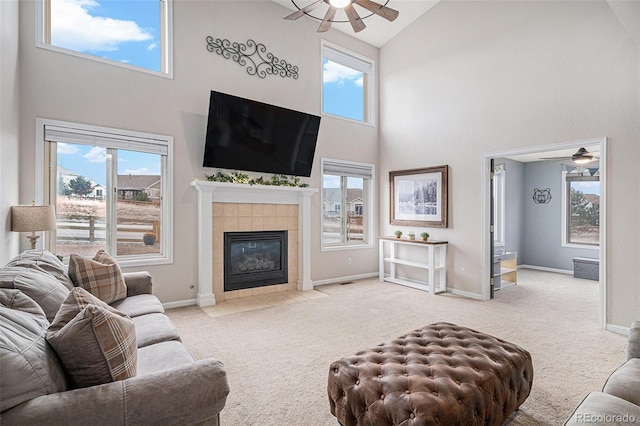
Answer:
(89, 161)
(126, 31)
(343, 90)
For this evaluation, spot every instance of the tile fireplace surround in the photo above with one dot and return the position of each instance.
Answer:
(239, 207)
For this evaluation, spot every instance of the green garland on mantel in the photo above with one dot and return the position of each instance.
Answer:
(237, 177)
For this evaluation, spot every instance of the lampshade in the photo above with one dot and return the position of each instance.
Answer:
(32, 218)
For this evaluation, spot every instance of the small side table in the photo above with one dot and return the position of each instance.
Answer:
(435, 263)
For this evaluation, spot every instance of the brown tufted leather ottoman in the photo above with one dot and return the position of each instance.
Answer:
(441, 374)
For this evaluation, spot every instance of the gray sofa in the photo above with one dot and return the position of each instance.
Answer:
(619, 401)
(169, 387)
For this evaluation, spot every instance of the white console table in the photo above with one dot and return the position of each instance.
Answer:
(435, 263)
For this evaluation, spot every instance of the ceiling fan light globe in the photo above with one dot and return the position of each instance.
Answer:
(582, 160)
(340, 4)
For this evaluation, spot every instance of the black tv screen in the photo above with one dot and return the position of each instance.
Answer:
(253, 136)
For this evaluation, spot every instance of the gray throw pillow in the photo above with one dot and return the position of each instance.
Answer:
(96, 346)
(29, 366)
(36, 283)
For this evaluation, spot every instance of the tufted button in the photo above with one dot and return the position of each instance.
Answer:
(380, 376)
(412, 416)
(407, 391)
(382, 396)
(357, 382)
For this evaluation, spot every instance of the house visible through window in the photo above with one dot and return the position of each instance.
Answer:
(111, 190)
(130, 33)
(347, 203)
(347, 84)
(581, 213)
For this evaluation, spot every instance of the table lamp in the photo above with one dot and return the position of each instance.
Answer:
(31, 219)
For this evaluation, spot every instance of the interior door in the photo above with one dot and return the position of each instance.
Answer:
(491, 227)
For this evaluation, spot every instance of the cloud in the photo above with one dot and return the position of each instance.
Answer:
(73, 27)
(140, 171)
(336, 73)
(65, 148)
(96, 155)
(152, 46)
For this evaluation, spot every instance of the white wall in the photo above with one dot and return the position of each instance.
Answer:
(62, 87)
(470, 78)
(9, 125)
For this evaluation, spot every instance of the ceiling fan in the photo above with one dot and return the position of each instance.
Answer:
(347, 5)
(581, 156)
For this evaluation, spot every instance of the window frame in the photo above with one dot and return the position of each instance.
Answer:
(357, 62)
(43, 40)
(368, 193)
(44, 184)
(566, 199)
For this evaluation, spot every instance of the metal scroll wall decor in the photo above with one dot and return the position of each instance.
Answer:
(254, 56)
(541, 196)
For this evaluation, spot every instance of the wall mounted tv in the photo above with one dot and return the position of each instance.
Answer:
(253, 136)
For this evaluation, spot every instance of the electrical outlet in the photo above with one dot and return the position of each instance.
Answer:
(348, 261)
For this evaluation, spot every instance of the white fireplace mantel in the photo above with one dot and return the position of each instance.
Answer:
(222, 192)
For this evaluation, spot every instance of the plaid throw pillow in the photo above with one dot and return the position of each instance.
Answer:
(100, 276)
(96, 345)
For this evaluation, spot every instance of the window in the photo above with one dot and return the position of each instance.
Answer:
(499, 179)
(347, 84)
(347, 204)
(111, 189)
(581, 209)
(131, 33)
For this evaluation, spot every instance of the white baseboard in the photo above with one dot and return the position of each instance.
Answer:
(545, 269)
(343, 279)
(617, 329)
(467, 294)
(179, 304)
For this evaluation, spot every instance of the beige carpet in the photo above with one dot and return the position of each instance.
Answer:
(277, 357)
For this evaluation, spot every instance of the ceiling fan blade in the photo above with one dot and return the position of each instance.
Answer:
(380, 10)
(356, 22)
(326, 21)
(299, 13)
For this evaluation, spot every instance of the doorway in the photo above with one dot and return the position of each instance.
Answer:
(561, 153)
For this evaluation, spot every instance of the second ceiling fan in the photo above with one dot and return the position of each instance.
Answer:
(354, 18)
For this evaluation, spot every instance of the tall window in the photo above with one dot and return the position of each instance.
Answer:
(111, 189)
(347, 84)
(347, 203)
(130, 33)
(581, 209)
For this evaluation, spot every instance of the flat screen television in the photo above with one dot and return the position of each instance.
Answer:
(243, 134)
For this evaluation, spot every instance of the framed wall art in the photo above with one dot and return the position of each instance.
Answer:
(419, 197)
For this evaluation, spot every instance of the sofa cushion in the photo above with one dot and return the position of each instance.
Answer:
(625, 382)
(29, 366)
(37, 283)
(101, 276)
(97, 345)
(141, 304)
(162, 356)
(47, 261)
(154, 328)
(603, 409)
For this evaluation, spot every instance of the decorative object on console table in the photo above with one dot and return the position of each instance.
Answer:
(31, 219)
(424, 236)
(419, 197)
(435, 263)
(246, 52)
(398, 234)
